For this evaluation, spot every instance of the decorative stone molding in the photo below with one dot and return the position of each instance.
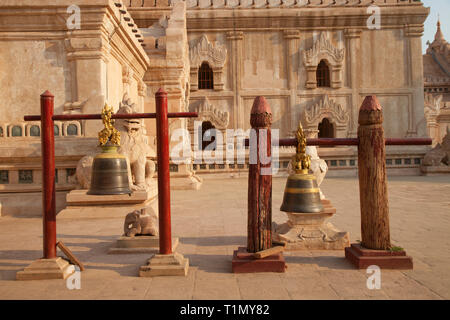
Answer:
(414, 30)
(142, 89)
(291, 34)
(87, 48)
(323, 49)
(432, 106)
(214, 55)
(235, 35)
(207, 112)
(127, 75)
(327, 108)
(352, 33)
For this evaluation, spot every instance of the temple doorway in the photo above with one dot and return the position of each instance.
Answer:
(326, 129)
(209, 138)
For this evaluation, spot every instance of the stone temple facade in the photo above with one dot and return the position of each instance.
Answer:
(313, 60)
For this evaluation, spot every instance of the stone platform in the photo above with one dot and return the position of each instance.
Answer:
(139, 244)
(310, 231)
(434, 170)
(173, 264)
(42, 269)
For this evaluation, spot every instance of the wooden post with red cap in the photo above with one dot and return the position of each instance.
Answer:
(259, 228)
(259, 204)
(375, 247)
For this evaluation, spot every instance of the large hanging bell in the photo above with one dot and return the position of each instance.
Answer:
(109, 173)
(301, 194)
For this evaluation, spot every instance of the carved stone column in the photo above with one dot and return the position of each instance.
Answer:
(236, 38)
(88, 56)
(292, 37)
(413, 35)
(353, 37)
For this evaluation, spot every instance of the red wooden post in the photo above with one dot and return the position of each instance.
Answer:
(162, 132)
(259, 228)
(48, 175)
(260, 184)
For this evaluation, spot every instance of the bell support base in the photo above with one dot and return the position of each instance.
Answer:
(81, 198)
(115, 208)
(139, 244)
(362, 258)
(310, 231)
(44, 269)
(173, 264)
(245, 262)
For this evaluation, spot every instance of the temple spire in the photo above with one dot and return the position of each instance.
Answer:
(439, 36)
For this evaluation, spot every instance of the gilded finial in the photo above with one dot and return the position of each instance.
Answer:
(301, 161)
(109, 133)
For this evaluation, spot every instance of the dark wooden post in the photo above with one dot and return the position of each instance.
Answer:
(48, 175)
(260, 179)
(162, 131)
(372, 176)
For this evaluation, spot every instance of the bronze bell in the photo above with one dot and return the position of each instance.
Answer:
(302, 193)
(109, 169)
(109, 173)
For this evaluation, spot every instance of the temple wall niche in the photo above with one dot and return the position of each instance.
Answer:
(217, 39)
(337, 109)
(383, 59)
(262, 68)
(28, 68)
(213, 104)
(308, 40)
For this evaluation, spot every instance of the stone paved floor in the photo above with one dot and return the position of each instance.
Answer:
(211, 223)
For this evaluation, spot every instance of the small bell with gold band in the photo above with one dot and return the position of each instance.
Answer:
(302, 193)
(109, 169)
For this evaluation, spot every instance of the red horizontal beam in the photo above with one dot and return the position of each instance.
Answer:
(67, 117)
(409, 142)
(291, 142)
(320, 142)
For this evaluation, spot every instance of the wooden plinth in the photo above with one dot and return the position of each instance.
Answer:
(363, 258)
(245, 262)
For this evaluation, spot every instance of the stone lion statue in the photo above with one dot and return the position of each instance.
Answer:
(139, 222)
(440, 154)
(133, 144)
